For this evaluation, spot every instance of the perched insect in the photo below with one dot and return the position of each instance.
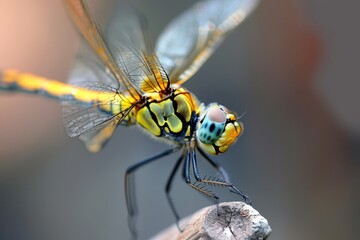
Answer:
(121, 80)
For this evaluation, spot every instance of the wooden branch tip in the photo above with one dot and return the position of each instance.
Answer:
(230, 221)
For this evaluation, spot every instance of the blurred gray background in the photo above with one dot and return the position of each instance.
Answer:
(292, 66)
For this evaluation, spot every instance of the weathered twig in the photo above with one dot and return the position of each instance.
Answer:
(232, 220)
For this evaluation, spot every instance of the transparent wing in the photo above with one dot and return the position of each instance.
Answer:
(96, 138)
(89, 68)
(93, 35)
(132, 52)
(94, 128)
(190, 39)
(97, 107)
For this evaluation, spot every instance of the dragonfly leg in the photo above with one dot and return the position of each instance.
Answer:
(169, 186)
(226, 182)
(195, 166)
(130, 190)
(197, 185)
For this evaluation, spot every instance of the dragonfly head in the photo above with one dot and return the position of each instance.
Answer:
(217, 129)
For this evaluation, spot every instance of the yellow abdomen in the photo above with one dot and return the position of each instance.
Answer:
(110, 102)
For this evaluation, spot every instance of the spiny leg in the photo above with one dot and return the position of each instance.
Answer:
(129, 187)
(169, 186)
(209, 180)
(226, 177)
(200, 188)
(216, 165)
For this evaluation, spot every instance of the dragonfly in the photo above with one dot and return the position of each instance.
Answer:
(119, 78)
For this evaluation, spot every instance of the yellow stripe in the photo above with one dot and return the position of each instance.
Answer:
(108, 101)
(30, 82)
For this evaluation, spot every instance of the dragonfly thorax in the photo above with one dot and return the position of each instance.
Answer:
(173, 117)
(217, 129)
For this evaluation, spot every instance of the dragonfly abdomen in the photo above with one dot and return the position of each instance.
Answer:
(12, 80)
(105, 101)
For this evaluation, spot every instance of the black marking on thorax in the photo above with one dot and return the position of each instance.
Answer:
(173, 136)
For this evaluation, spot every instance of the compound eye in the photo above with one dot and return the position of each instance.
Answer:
(212, 126)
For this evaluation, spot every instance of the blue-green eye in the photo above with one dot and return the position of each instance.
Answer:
(212, 126)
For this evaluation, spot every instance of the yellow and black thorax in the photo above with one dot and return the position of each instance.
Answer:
(173, 116)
